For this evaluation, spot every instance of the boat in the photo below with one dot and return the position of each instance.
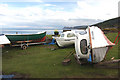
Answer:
(92, 46)
(66, 38)
(24, 40)
(37, 37)
(4, 39)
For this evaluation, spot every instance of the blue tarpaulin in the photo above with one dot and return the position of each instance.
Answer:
(53, 42)
(90, 59)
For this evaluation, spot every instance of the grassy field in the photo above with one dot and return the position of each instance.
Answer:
(39, 61)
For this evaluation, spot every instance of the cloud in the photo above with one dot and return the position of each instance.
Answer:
(21, 1)
(35, 16)
(49, 5)
(86, 12)
(97, 9)
(38, 0)
(22, 26)
(3, 9)
(2, 24)
(46, 27)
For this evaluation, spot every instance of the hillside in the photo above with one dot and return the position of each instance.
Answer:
(111, 23)
(108, 25)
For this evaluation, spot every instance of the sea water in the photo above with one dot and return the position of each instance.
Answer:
(48, 32)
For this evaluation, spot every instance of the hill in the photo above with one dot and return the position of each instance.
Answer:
(111, 23)
(108, 25)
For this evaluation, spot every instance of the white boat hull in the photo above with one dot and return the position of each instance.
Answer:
(94, 47)
(65, 42)
(4, 39)
(65, 39)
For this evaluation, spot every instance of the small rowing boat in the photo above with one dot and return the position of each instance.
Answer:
(20, 38)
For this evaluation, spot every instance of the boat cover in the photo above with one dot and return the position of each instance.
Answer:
(100, 44)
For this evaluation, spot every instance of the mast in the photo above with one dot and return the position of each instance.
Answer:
(90, 44)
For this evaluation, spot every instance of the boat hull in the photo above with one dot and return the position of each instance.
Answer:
(65, 42)
(4, 39)
(40, 37)
(66, 39)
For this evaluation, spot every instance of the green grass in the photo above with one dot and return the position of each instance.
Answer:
(39, 61)
(114, 51)
(49, 36)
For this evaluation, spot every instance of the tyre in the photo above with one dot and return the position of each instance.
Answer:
(24, 47)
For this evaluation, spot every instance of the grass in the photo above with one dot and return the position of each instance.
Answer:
(39, 61)
(49, 36)
(114, 51)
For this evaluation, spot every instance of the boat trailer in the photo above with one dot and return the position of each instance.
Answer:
(24, 44)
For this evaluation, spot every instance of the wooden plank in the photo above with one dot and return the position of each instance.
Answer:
(108, 64)
(66, 61)
(71, 53)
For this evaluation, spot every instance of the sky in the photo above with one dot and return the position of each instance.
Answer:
(46, 14)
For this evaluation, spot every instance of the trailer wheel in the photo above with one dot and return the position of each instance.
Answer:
(24, 47)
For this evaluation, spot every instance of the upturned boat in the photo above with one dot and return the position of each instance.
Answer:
(92, 46)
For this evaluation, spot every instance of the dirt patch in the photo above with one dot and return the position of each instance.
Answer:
(90, 75)
(111, 66)
(49, 46)
(19, 75)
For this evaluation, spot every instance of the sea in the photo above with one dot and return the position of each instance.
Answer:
(18, 31)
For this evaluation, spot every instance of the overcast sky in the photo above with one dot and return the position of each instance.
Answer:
(46, 14)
